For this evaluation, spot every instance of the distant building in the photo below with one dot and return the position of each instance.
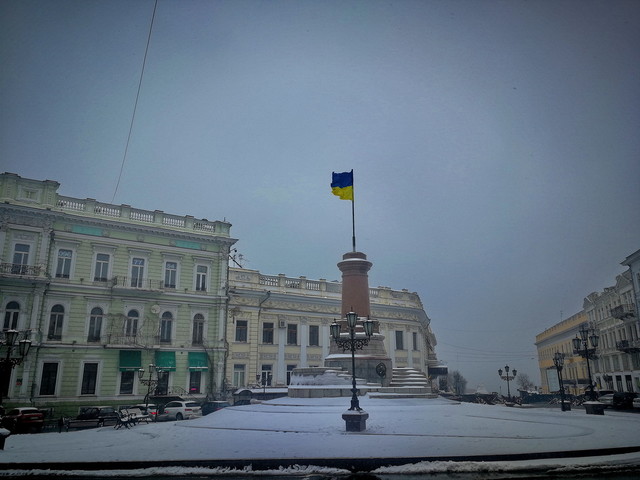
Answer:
(106, 290)
(278, 323)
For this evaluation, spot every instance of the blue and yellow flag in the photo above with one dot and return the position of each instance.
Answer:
(342, 185)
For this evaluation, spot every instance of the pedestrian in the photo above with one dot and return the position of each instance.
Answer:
(60, 424)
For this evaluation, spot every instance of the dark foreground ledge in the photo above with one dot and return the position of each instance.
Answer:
(350, 464)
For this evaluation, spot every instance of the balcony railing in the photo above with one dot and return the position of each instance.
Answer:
(90, 206)
(628, 346)
(20, 270)
(623, 311)
(137, 283)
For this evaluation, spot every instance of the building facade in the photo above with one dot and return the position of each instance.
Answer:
(613, 315)
(278, 323)
(558, 338)
(105, 290)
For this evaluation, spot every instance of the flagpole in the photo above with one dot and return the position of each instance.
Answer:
(353, 211)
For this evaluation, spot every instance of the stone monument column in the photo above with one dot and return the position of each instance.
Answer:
(355, 298)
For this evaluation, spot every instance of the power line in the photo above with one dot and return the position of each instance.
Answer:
(135, 105)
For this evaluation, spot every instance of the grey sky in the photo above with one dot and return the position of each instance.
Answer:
(495, 145)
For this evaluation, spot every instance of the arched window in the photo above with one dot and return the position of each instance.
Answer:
(56, 320)
(166, 323)
(131, 324)
(198, 329)
(11, 316)
(95, 325)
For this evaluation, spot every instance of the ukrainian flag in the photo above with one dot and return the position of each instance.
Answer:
(342, 185)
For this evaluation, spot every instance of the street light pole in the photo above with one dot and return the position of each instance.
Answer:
(507, 377)
(8, 363)
(558, 361)
(150, 382)
(352, 343)
(355, 417)
(581, 347)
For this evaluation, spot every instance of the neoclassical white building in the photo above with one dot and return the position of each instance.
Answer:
(278, 323)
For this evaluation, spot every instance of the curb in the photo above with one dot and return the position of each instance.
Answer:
(350, 464)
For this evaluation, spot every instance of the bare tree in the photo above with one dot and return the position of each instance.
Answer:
(458, 382)
(524, 383)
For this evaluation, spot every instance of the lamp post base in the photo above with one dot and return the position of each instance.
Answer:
(356, 420)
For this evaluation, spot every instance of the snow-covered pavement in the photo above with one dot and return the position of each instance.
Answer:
(431, 433)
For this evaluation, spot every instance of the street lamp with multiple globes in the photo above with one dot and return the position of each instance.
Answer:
(558, 361)
(8, 363)
(581, 347)
(150, 382)
(352, 343)
(508, 378)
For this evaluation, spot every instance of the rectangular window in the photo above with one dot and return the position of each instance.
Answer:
(267, 332)
(63, 269)
(20, 259)
(201, 278)
(314, 335)
(266, 376)
(89, 377)
(239, 375)
(126, 382)
(170, 274)
(49, 378)
(241, 330)
(289, 372)
(399, 340)
(292, 334)
(102, 268)
(195, 378)
(415, 340)
(163, 383)
(137, 272)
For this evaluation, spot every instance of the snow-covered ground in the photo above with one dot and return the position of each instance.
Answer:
(429, 435)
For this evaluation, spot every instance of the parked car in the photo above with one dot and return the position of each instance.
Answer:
(636, 402)
(210, 407)
(623, 400)
(618, 400)
(180, 409)
(606, 400)
(101, 414)
(604, 392)
(23, 419)
(151, 410)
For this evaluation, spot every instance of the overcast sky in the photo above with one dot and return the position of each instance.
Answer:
(494, 144)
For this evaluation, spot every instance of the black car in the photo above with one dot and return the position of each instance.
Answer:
(623, 400)
(210, 407)
(100, 415)
(618, 400)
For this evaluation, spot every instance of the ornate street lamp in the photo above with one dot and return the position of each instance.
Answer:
(8, 363)
(558, 361)
(508, 378)
(581, 347)
(150, 382)
(353, 343)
